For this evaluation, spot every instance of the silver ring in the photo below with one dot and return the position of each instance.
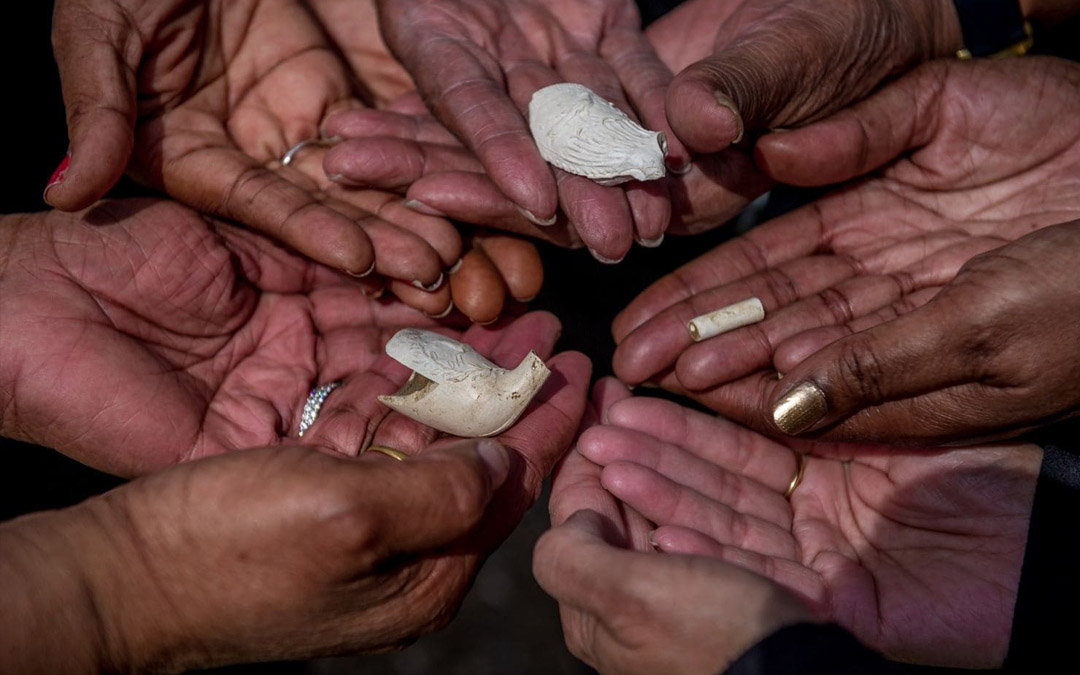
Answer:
(314, 404)
(287, 158)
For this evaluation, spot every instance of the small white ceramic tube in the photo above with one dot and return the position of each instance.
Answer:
(728, 318)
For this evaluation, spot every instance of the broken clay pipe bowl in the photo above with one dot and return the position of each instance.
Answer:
(580, 132)
(456, 390)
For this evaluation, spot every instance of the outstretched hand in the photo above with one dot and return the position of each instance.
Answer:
(879, 247)
(477, 65)
(136, 337)
(202, 100)
(917, 552)
(659, 613)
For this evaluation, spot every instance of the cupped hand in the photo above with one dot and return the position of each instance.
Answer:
(992, 354)
(966, 165)
(752, 65)
(477, 65)
(268, 554)
(659, 613)
(917, 552)
(135, 336)
(202, 100)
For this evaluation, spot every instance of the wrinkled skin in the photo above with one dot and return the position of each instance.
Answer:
(917, 552)
(749, 66)
(953, 174)
(477, 64)
(201, 99)
(660, 613)
(276, 553)
(136, 335)
(990, 355)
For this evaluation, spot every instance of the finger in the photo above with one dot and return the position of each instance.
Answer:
(474, 198)
(645, 79)
(368, 123)
(923, 351)
(607, 392)
(435, 304)
(461, 84)
(794, 350)
(710, 363)
(97, 77)
(392, 163)
(442, 495)
(665, 338)
(900, 117)
(477, 287)
(792, 236)
(572, 562)
(231, 184)
(518, 261)
(792, 574)
(609, 445)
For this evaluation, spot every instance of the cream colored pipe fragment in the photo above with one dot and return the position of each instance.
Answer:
(726, 319)
(580, 132)
(455, 389)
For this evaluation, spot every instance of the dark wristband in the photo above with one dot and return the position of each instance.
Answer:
(992, 28)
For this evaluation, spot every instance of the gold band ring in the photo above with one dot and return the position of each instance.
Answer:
(389, 452)
(800, 468)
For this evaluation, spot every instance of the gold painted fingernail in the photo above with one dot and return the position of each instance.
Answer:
(800, 409)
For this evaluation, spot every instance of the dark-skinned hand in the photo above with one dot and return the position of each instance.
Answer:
(961, 164)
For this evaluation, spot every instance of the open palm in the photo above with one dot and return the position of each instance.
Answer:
(135, 337)
(917, 552)
(220, 91)
(959, 164)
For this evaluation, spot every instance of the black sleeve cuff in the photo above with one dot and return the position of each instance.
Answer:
(809, 648)
(1046, 620)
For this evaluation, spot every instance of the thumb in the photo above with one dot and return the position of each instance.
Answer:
(432, 499)
(916, 354)
(97, 55)
(855, 141)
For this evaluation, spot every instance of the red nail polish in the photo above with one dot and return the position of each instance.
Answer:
(57, 176)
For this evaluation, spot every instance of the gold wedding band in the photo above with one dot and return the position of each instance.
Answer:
(389, 452)
(800, 468)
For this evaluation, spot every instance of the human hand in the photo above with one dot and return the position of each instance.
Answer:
(135, 312)
(266, 554)
(202, 100)
(917, 552)
(660, 613)
(477, 65)
(752, 65)
(882, 245)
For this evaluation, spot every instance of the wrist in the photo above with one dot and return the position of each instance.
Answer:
(48, 613)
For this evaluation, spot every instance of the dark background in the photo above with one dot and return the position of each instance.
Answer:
(507, 624)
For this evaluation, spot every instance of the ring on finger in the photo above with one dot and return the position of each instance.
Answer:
(388, 451)
(314, 404)
(800, 469)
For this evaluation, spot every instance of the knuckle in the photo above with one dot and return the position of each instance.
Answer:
(862, 376)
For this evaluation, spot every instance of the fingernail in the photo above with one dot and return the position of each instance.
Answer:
(606, 261)
(375, 293)
(361, 275)
(340, 179)
(495, 459)
(456, 266)
(651, 243)
(533, 219)
(800, 409)
(434, 285)
(442, 314)
(681, 169)
(730, 105)
(652, 540)
(57, 176)
(421, 207)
